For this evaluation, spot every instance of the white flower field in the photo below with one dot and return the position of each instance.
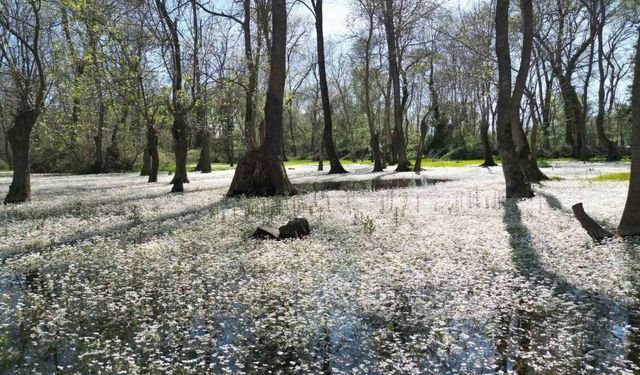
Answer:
(109, 274)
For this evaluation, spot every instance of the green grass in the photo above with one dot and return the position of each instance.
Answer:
(597, 159)
(623, 176)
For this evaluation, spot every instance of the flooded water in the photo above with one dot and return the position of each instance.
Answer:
(447, 278)
(367, 185)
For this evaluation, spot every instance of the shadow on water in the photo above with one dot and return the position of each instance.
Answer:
(368, 185)
(162, 224)
(632, 249)
(594, 316)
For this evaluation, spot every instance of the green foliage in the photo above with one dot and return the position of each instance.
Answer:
(623, 176)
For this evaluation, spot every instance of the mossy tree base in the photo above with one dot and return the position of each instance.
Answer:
(18, 193)
(260, 175)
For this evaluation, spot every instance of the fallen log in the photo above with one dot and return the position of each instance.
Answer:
(594, 230)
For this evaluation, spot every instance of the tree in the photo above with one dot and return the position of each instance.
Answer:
(630, 222)
(20, 42)
(261, 171)
(369, 10)
(394, 74)
(179, 109)
(329, 146)
(613, 154)
(517, 184)
(564, 56)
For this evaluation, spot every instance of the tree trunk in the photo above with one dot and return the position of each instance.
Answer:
(394, 73)
(330, 148)
(181, 139)
(97, 139)
(390, 155)
(630, 222)
(152, 146)
(423, 135)
(261, 171)
(517, 185)
(293, 138)
(204, 160)
(485, 104)
(19, 135)
(146, 162)
(375, 139)
(113, 153)
(228, 143)
(535, 174)
(573, 117)
(613, 154)
(252, 72)
(486, 145)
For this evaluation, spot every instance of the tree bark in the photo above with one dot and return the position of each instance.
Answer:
(181, 139)
(336, 166)
(630, 222)
(146, 162)
(204, 160)
(19, 136)
(394, 73)
(517, 185)
(261, 171)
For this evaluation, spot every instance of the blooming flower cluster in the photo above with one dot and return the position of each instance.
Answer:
(110, 274)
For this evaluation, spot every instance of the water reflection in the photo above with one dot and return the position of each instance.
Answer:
(368, 185)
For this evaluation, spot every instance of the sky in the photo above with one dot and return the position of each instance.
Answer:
(336, 14)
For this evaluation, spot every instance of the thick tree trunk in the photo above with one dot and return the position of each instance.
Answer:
(204, 160)
(517, 185)
(261, 171)
(181, 139)
(19, 135)
(146, 162)
(394, 73)
(330, 148)
(630, 222)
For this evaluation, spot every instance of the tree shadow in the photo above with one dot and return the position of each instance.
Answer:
(162, 224)
(69, 207)
(632, 248)
(596, 315)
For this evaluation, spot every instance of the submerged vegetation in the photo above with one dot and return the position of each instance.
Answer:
(115, 275)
